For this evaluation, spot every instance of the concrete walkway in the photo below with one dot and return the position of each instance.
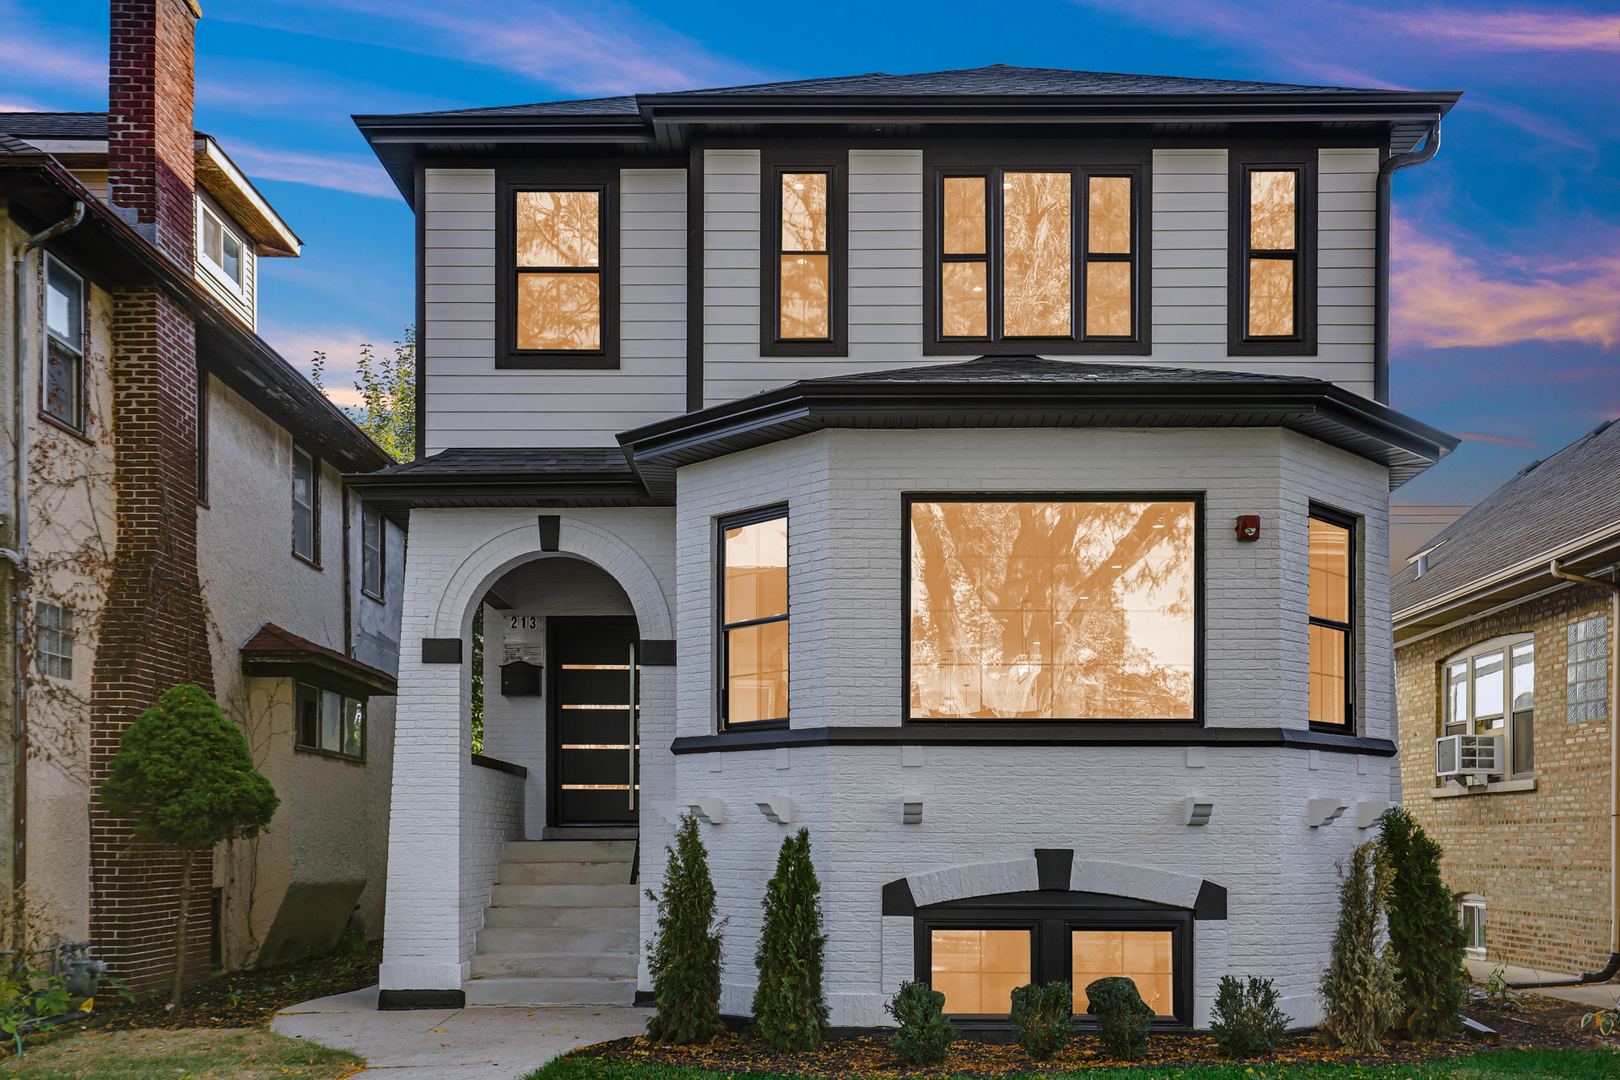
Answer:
(479, 1043)
(1597, 995)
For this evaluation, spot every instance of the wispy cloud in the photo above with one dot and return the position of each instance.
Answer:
(1544, 30)
(358, 174)
(1443, 298)
(594, 47)
(299, 344)
(1503, 440)
(30, 59)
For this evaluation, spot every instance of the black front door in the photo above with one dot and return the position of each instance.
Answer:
(593, 720)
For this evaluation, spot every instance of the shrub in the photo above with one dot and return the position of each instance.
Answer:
(1122, 1016)
(926, 1033)
(1424, 932)
(1246, 1022)
(1359, 986)
(184, 773)
(685, 956)
(790, 1010)
(1043, 1018)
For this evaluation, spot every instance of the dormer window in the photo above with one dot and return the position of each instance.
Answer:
(557, 295)
(221, 249)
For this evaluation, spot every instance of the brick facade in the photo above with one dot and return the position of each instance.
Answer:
(1539, 858)
(150, 139)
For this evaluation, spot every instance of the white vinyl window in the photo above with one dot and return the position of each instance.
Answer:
(1491, 690)
(220, 249)
(53, 640)
(1471, 910)
(330, 722)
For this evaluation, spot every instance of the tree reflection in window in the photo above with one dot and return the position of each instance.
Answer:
(1037, 254)
(558, 257)
(1052, 610)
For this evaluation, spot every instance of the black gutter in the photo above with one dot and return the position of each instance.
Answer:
(1386, 171)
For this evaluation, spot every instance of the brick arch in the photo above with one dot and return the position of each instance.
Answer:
(511, 547)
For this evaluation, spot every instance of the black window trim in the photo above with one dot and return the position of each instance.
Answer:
(314, 557)
(1052, 960)
(777, 158)
(1200, 607)
(1352, 721)
(1081, 162)
(380, 596)
(722, 523)
(1238, 341)
(301, 747)
(602, 178)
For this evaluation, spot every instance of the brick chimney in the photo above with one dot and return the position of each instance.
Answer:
(150, 137)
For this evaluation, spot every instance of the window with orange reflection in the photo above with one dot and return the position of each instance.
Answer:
(1067, 609)
(1273, 263)
(804, 280)
(1145, 957)
(557, 253)
(977, 970)
(754, 618)
(1331, 605)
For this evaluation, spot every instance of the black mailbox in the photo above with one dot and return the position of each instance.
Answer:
(520, 679)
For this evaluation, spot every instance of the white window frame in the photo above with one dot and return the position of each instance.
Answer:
(206, 213)
(1468, 725)
(1464, 902)
(74, 349)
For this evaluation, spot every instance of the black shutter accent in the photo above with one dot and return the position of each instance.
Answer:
(441, 650)
(657, 652)
(550, 531)
(1211, 903)
(897, 899)
(1053, 866)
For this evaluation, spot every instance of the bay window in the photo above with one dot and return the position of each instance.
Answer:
(1331, 604)
(754, 619)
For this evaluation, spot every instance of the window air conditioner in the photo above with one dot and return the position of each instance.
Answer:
(1472, 758)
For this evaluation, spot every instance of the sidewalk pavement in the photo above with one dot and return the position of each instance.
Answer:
(480, 1043)
(1597, 995)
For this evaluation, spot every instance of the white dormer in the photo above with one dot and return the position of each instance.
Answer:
(225, 262)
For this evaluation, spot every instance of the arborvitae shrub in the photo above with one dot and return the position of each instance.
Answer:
(1359, 986)
(1043, 1018)
(1424, 932)
(790, 1010)
(1246, 1022)
(926, 1033)
(685, 958)
(1123, 1018)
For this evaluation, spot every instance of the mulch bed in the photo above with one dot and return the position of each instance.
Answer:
(1543, 1023)
(240, 999)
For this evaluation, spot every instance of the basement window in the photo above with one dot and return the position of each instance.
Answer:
(1471, 912)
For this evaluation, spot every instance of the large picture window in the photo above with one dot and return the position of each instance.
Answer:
(1052, 608)
(754, 619)
(1332, 562)
(1490, 689)
(556, 288)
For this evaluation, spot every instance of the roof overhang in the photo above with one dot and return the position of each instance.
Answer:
(274, 653)
(396, 494)
(1317, 409)
(218, 175)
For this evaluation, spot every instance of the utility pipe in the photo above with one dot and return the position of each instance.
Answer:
(18, 558)
(1612, 968)
(1389, 168)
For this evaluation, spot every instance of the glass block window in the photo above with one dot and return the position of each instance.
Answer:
(53, 640)
(1587, 664)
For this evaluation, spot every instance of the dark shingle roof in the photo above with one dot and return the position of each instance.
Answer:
(609, 106)
(54, 125)
(1571, 497)
(1035, 369)
(524, 461)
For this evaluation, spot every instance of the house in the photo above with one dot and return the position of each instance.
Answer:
(986, 470)
(1505, 676)
(177, 515)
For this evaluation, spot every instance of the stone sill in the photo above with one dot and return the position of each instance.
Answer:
(1502, 787)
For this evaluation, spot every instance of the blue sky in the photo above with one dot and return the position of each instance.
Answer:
(1506, 310)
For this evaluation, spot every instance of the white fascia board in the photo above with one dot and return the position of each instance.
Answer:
(218, 175)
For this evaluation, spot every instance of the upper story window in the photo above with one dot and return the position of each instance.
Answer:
(556, 297)
(1332, 607)
(1490, 689)
(1272, 272)
(371, 551)
(330, 722)
(53, 640)
(63, 389)
(803, 265)
(754, 618)
(306, 505)
(1038, 260)
(221, 249)
(1063, 608)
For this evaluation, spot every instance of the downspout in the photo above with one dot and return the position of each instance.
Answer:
(1613, 966)
(19, 557)
(1388, 169)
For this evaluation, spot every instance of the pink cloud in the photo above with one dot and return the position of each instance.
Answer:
(1514, 31)
(1442, 298)
(1504, 440)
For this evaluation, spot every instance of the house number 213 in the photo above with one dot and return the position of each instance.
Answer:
(524, 622)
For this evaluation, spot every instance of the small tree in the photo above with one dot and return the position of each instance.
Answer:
(1424, 933)
(790, 1010)
(387, 389)
(1245, 1021)
(685, 957)
(184, 774)
(1359, 987)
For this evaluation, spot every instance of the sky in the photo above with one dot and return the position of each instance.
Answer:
(1505, 322)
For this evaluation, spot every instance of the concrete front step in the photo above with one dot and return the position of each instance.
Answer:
(553, 896)
(553, 965)
(575, 918)
(563, 873)
(552, 940)
(565, 991)
(570, 850)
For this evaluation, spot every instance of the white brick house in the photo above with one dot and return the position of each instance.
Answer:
(986, 470)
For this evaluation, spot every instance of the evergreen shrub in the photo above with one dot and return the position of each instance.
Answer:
(1246, 1022)
(1123, 1018)
(1043, 1018)
(790, 1010)
(1424, 931)
(926, 1033)
(1359, 987)
(685, 956)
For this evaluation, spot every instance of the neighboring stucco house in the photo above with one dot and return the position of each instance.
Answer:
(177, 515)
(987, 470)
(1505, 675)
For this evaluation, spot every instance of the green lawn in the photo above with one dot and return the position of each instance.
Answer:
(1507, 1065)
(189, 1054)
